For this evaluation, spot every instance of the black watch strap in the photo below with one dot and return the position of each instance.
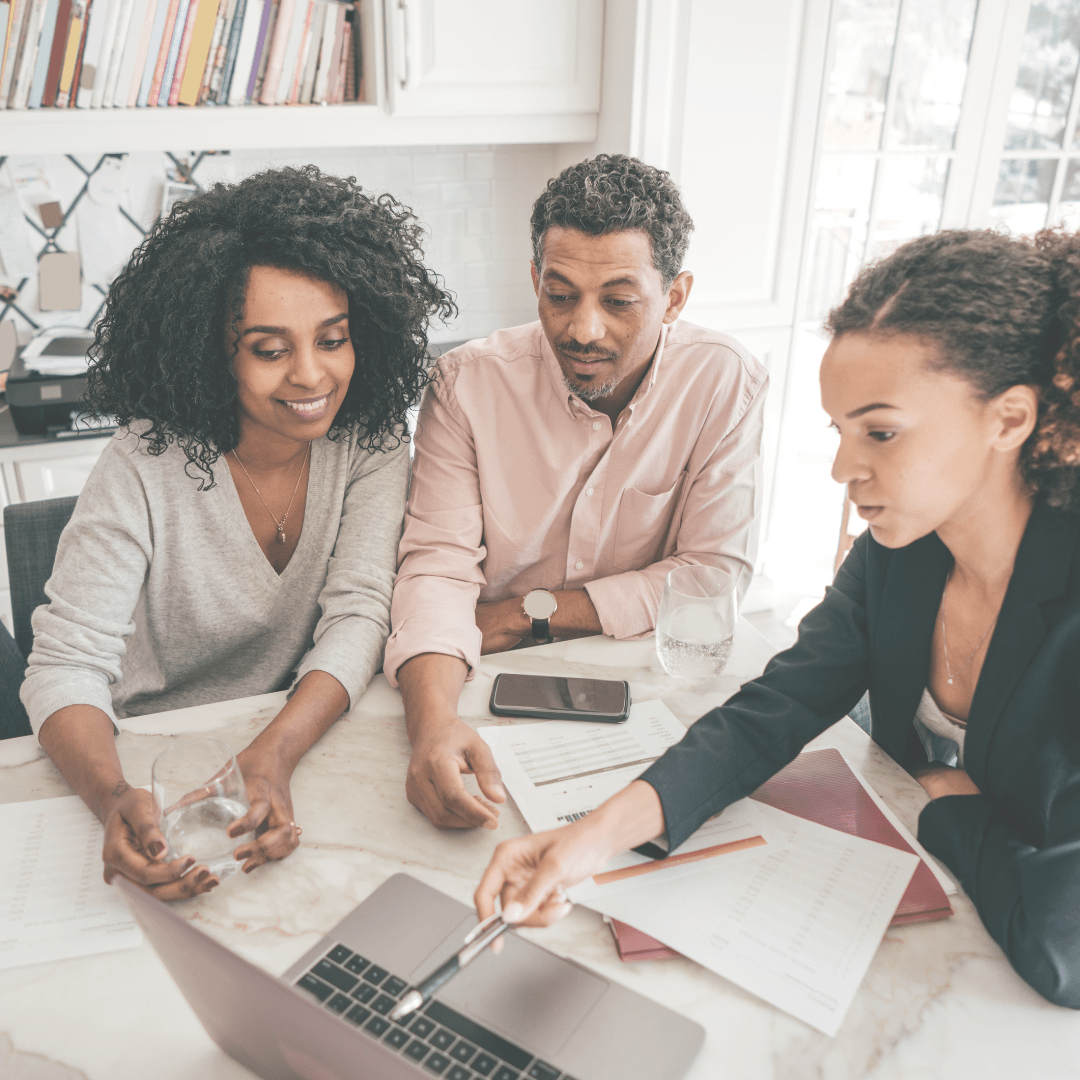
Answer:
(541, 631)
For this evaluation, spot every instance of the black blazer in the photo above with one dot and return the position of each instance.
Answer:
(1016, 847)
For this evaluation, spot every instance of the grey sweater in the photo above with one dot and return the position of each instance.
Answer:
(161, 597)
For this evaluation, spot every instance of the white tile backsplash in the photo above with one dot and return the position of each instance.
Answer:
(474, 203)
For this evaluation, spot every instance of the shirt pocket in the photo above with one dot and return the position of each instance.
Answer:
(645, 522)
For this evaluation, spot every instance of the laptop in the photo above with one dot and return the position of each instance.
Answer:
(524, 1014)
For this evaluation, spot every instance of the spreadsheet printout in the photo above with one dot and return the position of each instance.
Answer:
(54, 902)
(560, 770)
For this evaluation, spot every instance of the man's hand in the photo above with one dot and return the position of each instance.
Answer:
(442, 751)
(502, 623)
(940, 780)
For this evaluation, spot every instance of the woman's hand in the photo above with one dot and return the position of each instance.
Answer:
(271, 814)
(530, 873)
(941, 780)
(136, 849)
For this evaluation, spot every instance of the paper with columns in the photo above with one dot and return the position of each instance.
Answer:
(939, 1000)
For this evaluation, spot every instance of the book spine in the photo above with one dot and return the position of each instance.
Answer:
(185, 49)
(232, 49)
(335, 56)
(108, 35)
(326, 51)
(71, 53)
(262, 53)
(56, 53)
(202, 32)
(343, 63)
(77, 74)
(116, 53)
(157, 32)
(245, 52)
(213, 56)
(277, 52)
(167, 31)
(95, 28)
(318, 16)
(351, 20)
(125, 69)
(174, 51)
(44, 52)
(213, 77)
(142, 52)
(301, 56)
(20, 87)
(11, 49)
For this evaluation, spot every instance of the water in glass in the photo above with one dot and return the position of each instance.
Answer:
(200, 792)
(696, 626)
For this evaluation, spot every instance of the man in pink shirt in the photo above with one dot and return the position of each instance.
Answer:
(578, 458)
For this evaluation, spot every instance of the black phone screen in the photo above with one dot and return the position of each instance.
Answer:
(555, 692)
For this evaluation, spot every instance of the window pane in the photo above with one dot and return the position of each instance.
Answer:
(910, 194)
(930, 71)
(863, 37)
(1048, 62)
(1023, 194)
(838, 230)
(1068, 212)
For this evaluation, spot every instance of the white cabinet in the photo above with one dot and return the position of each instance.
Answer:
(494, 57)
(52, 476)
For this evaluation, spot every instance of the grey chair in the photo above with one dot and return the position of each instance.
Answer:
(31, 532)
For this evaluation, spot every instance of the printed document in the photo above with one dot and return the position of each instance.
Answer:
(560, 770)
(795, 923)
(54, 902)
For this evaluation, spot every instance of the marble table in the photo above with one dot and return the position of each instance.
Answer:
(940, 999)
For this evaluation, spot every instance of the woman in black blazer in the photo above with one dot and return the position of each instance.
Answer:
(950, 378)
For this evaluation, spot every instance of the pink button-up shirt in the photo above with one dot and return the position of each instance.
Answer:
(518, 484)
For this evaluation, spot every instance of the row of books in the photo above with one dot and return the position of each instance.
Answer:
(92, 54)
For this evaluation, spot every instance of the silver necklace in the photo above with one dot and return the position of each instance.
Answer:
(945, 642)
(279, 525)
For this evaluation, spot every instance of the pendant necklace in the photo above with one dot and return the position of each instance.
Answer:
(280, 525)
(945, 644)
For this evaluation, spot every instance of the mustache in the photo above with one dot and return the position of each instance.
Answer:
(586, 351)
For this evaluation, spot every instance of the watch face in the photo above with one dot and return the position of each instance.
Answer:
(539, 604)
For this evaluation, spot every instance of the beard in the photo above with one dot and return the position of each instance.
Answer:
(592, 392)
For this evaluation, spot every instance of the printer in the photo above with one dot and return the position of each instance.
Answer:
(47, 384)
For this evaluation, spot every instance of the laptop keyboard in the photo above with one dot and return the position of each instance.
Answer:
(438, 1040)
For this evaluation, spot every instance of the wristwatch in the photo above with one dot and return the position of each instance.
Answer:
(540, 605)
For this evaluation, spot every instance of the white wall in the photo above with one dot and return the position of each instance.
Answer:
(474, 201)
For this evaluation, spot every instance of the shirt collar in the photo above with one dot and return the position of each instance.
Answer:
(571, 402)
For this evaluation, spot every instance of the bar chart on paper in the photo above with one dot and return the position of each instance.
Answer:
(54, 902)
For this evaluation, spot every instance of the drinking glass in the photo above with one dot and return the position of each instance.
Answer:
(200, 793)
(696, 625)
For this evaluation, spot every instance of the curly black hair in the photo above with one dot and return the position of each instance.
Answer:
(612, 192)
(1000, 312)
(164, 345)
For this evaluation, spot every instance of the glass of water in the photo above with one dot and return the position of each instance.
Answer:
(199, 790)
(696, 625)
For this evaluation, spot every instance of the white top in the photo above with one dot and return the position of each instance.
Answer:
(941, 734)
(161, 597)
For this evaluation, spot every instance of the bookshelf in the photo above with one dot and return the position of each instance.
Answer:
(251, 127)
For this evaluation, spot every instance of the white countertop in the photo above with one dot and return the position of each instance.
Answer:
(939, 1000)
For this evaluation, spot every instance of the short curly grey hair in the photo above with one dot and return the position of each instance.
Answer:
(611, 192)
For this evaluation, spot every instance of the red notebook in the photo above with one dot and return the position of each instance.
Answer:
(818, 786)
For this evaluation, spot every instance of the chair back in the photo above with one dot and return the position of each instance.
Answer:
(31, 532)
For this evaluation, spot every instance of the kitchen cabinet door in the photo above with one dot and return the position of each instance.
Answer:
(55, 477)
(452, 57)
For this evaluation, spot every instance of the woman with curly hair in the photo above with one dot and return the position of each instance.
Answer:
(239, 533)
(953, 378)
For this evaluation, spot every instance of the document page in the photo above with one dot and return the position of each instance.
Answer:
(795, 923)
(54, 902)
(560, 770)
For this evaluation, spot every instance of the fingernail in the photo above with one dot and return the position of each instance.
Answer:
(499, 790)
(213, 884)
(202, 877)
(188, 864)
(156, 848)
(489, 824)
(513, 912)
(241, 856)
(497, 945)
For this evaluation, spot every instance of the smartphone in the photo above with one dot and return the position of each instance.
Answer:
(551, 697)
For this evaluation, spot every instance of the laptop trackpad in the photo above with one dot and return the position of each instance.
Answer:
(525, 994)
